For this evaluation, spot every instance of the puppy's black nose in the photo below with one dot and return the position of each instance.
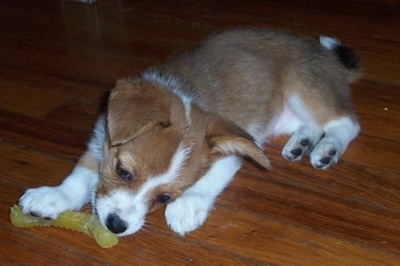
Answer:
(115, 224)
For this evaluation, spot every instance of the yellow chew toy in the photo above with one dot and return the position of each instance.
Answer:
(77, 221)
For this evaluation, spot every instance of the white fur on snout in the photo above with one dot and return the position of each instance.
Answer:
(132, 206)
(122, 203)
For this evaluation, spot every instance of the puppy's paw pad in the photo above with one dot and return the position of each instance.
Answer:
(186, 214)
(324, 155)
(44, 202)
(297, 150)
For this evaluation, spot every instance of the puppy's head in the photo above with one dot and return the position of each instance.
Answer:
(158, 145)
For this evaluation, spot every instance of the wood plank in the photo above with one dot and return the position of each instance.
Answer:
(377, 106)
(37, 103)
(258, 236)
(80, 248)
(317, 210)
(63, 85)
(240, 226)
(56, 139)
(59, 58)
(113, 42)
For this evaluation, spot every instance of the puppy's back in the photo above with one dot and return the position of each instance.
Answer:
(246, 73)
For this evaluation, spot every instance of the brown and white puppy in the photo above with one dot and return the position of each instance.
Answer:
(175, 134)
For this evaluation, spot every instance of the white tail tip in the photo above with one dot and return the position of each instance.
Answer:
(328, 42)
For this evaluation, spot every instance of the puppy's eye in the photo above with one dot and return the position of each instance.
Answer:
(164, 198)
(125, 175)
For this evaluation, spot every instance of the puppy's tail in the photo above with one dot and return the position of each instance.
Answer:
(345, 55)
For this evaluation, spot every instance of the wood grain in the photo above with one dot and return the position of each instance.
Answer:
(58, 60)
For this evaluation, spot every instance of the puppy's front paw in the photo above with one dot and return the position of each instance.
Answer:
(187, 213)
(44, 202)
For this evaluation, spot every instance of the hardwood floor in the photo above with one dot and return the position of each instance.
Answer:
(59, 58)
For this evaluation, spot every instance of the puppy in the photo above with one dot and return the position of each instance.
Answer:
(175, 134)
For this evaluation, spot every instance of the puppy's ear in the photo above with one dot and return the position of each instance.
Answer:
(135, 107)
(225, 138)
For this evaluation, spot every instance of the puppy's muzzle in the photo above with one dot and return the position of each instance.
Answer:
(115, 224)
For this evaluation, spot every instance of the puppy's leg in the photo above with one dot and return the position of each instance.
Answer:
(190, 210)
(306, 135)
(338, 134)
(71, 194)
(74, 191)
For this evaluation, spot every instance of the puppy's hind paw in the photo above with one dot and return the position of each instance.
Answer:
(324, 155)
(297, 150)
(186, 213)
